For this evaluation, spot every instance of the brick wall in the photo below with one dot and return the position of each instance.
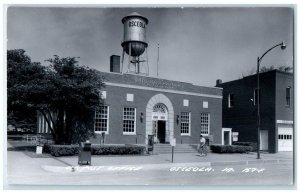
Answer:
(116, 100)
(242, 117)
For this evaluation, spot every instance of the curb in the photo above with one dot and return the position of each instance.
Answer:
(120, 168)
(247, 162)
(160, 166)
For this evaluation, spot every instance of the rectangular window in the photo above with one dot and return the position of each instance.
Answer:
(101, 119)
(129, 116)
(255, 96)
(185, 123)
(288, 96)
(230, 100)
(205, 122)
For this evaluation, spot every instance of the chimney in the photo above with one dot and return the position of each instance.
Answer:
(218, 82)
(115, 64)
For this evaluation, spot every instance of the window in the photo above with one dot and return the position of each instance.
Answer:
(185, 123)
(101, 119)
(255, 96)
(230, 100)
(205, 123)
(288, 96)
(129, 120)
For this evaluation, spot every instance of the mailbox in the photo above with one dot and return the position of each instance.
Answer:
(85, 152)
(150, 142)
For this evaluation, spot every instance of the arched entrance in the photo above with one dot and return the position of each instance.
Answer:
(160, 119)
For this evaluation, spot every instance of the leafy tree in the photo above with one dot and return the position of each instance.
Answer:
(266, 69)
(281, 68)
(65, 93)
(286, 68)
(20, 72)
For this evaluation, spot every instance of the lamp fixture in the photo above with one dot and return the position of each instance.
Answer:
(142, 117)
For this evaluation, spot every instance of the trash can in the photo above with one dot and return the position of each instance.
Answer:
(150, 142)
(85, 152)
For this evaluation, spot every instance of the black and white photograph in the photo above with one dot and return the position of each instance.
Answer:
(181, 96)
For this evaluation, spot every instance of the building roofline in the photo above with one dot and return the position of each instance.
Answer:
(262, 73)
(145, 76)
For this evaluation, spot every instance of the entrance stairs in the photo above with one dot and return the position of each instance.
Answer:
(179, 148)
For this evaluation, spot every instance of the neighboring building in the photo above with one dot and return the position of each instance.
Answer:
(136, 106)
(276, 109)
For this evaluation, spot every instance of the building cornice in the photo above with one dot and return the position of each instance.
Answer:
(162, 90)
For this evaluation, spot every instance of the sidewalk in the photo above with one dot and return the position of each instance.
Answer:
(45, 165)
(212, 159)
(26, 167)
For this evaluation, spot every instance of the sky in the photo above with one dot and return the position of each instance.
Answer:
(197, 44)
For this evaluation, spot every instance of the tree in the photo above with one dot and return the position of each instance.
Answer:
(286, 68)
(20, 72)
(65, 93)
(266, 69)
(74, 100)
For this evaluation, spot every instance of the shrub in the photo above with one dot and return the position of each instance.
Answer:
(230, 149)
(61, 150)
(117, 149)
(71, 150)
(253, 145)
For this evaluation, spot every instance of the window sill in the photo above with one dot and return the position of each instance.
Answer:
(100, 132)
(183, 134)
(128, 133)
(204, 134)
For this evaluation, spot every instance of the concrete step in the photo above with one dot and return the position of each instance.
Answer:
(179, 148)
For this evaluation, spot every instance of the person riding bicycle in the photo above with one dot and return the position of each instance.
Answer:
(201, 146)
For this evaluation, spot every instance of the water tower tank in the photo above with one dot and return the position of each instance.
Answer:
(134, 42)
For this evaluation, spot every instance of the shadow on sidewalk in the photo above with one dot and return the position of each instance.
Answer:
(22, 148)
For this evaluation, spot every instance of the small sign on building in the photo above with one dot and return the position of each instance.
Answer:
(235, 136)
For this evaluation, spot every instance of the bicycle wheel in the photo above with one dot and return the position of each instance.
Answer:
(205, 150)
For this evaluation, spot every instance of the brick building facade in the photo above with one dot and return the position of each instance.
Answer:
(136, 106)
(276, 109)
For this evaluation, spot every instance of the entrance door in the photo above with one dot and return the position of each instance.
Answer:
(264, 140)
(226, 138)
(161, 131)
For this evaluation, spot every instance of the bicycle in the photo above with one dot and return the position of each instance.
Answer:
(203, 150)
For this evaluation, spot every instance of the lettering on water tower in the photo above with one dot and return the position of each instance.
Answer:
(137, 24)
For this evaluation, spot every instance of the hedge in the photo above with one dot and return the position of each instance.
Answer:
(230, 149)
(61, 150)
(71, 150)
(253, 145)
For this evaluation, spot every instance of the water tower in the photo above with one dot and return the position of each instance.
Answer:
(134, 44)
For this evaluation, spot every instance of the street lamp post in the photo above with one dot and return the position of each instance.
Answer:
(282, 46)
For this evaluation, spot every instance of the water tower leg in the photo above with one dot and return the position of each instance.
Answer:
(122, 61)
(128, 70)
(137, 62)
(147, 73)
